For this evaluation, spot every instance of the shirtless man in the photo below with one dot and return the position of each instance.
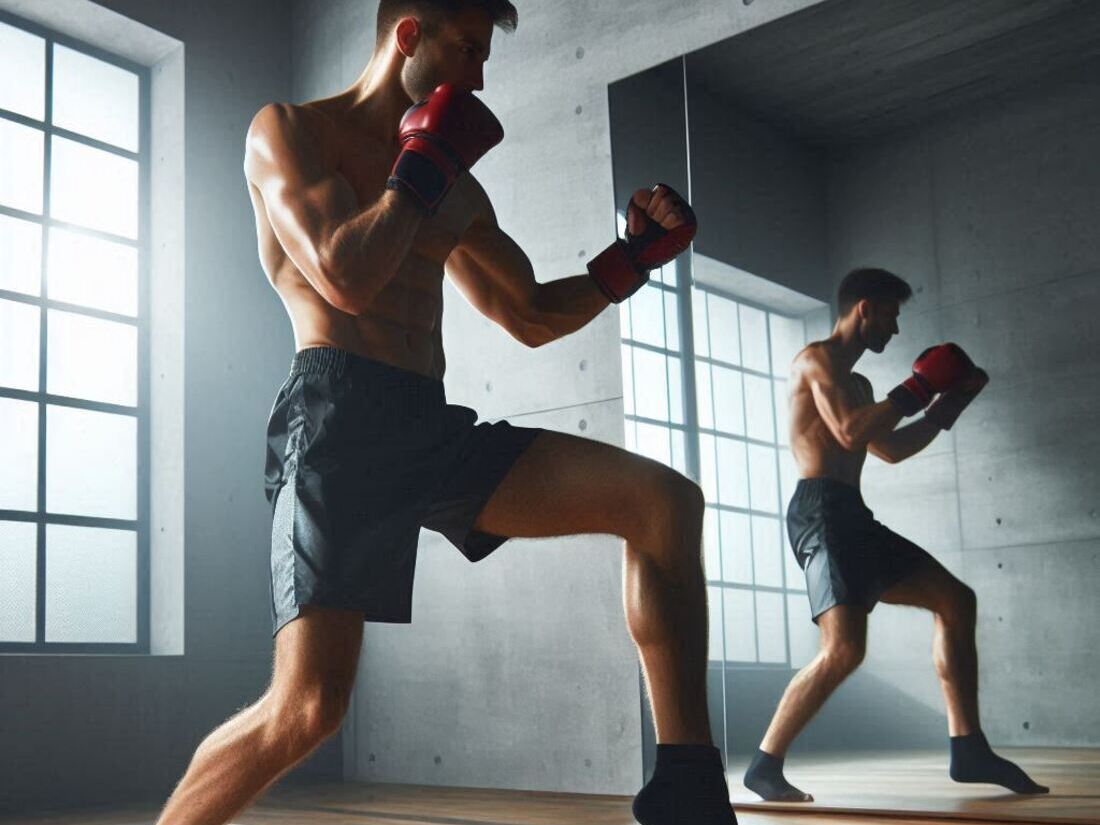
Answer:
(850, 560)
(362, 203)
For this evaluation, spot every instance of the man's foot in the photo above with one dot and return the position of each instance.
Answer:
(688, 788)
(972, 760)
(765, 777)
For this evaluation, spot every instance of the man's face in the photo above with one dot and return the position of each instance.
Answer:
(452, 50)
(878, 323)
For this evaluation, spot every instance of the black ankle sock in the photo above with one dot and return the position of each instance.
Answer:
(688, 788)
(765, 777)
(972, 760)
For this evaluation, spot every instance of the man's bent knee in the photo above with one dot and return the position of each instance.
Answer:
(842, 657)
(962, 607)
(668, 501)
(304, 720)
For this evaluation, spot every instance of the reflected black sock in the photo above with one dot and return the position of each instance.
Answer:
(972, 760)
(688, 788)
(765, 777)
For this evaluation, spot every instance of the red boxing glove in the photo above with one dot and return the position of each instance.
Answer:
(945, 410)
(442, 137)
(937, 369)
(623, 268)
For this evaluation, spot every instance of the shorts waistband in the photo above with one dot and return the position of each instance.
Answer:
(333, 361)
(817, 487)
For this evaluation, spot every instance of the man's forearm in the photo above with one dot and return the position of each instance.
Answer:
(911, 439)
(367, 251)
(564, 306)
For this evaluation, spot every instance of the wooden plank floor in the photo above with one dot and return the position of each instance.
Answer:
(893, 786)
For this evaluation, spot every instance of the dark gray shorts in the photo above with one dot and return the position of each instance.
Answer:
(360, 456)
(847, 556)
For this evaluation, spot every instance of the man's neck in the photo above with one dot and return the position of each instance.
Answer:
(377, 99)
(847, 344)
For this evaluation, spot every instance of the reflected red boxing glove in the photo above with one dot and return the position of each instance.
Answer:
(442, 137)
(936, 370)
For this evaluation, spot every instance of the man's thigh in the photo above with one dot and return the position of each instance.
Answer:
(320, 647)
(566, 485)
(930, 585)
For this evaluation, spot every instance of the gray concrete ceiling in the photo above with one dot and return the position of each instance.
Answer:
(850, 69)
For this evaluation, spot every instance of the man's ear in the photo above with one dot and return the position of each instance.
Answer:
(408, 35)
(863, 307)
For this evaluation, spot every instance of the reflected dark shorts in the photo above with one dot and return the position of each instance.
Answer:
(847, 556)
(360, 456)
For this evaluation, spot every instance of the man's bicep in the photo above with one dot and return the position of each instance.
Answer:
(493, 272)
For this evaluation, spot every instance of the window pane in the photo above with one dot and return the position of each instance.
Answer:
(723, 330)
(788, 337)
(733, 487)
(770, 627)
(93, 188)
(736, 548)
(740, 626)
(19, 448)
(711, 549)
(22, 72)
(624, 319)
(675, 390)
(647, 320)
(766, 555)
(763, 481)
(714, 631)
(630, 433)
(627, 353)
(729, 406)
(679, 457)
(91, 584)
(653, 443)
(703, 400)
(672, 322)
(19, 561)
(92, 272)
(650, 385)
(782, 412)
(754, 338)
(95, 98)
(708, 467)
(21, 149)
(699, 322)
(758, 405)
(91, 460)
(19, 345)
(20, 256)
(91, 358)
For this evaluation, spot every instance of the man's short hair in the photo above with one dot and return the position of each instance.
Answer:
(873, 285)
(501, 12)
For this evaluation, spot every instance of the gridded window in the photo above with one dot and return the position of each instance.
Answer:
(653, 369)
(741, 358)
(733, 439)
(73, 346)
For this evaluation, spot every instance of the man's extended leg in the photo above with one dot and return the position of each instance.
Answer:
(843, 644)
(315, 661)
(954, 607)
(564, 485)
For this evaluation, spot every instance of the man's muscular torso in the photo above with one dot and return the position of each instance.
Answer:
(402, 327)
(815, 449)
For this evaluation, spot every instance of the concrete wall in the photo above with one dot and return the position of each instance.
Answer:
(519, 672)
(991, 215)
(82, 730)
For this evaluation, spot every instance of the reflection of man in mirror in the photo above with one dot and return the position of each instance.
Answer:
(363, 201)
(852, 561)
